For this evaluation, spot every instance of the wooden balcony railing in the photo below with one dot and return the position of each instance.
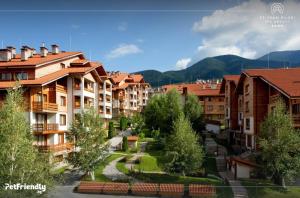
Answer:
(45, 128)
(44, 106)
(296, 119)
(68, 147)
(89, 90)
(274, 98)
(61, 88)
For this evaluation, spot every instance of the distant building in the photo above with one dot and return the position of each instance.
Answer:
(130, 93)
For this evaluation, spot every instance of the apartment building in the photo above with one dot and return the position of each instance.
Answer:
(210, 98)
(130, 93)
(233, 110)
(254, 96)
(57, 85)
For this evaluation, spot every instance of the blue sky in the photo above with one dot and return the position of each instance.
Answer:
(133, 35)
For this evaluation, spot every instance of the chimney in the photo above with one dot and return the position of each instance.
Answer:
(44, 51)
(13, 51)
(25, 53)
(5, 55)
(55, 49)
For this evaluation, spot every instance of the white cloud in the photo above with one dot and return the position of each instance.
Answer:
(123, 50)
(245, 30)
(183, 63)
(122, 26)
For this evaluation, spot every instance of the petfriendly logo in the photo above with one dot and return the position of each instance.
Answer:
(38, 187)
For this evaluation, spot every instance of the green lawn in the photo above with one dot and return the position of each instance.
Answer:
(147, 163)
(99, 170)
(266, 189)
(121, 167)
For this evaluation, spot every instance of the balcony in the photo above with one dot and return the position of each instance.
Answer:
(122, 98)
(274, 98)
(296, 120)
(58, 88)
(44, 106)
(68, 147)
(45, 128)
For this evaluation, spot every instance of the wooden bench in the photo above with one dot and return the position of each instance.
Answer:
(147, 189)
(116, 188)
(171, 190)
(197, 190)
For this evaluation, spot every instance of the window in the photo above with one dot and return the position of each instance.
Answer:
(247, 89)
(296, 108)
(210, 108)
(62, 66)
(77, 101)
(247, 106)
(22, 76)
(247, 124)
(240, 116)
(209, 99)
(5, 76)
(62, 101)
(62, 120)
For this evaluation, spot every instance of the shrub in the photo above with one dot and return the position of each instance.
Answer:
(125, 144)
(155, 134)
(123, 123)
(111, 130)
(142, 135)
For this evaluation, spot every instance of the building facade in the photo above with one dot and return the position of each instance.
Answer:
(130, 93)
(57, 85)
(254, 96)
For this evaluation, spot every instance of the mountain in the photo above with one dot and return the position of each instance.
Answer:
(291, 57)
(216, 67)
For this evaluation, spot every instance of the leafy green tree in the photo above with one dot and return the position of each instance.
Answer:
(138, 123)
(20, 161)
(183, 150)
(194, 112)
(123, 123)
(89, 134)
(125, 144)
(162, 110)
(279, 144)
(111, 130)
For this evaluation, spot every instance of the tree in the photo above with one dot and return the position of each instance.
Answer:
(194, 112)
(88, 132)
(123, 123)
(125, 144)
(162, 110)
(137, 123)
(20, 161)
(111, 130)
(279, 143)
(183, 149)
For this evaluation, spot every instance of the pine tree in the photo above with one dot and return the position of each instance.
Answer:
(183, 148)
(279, 143)
(125, 144)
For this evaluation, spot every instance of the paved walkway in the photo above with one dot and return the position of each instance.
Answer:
(111, 172)
(239, 191)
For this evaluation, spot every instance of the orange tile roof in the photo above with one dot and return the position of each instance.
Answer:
(137, 77)
(118, 77)
(199, 89)
(79, 62)
(132, 138)
(53, 76)
(37, 59)
(286, 80)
